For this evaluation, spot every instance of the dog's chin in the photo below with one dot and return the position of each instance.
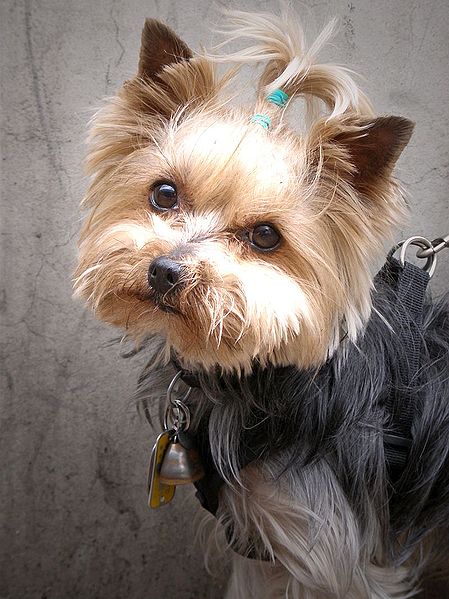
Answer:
(141, 314)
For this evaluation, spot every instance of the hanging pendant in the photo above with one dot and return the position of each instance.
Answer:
(181, 463)
(159, 493)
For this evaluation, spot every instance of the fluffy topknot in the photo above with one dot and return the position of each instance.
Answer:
(292, 65)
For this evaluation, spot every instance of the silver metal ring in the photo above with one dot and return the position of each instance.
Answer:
(171, 388)
(177, 417)
(176, 411)
(424, 244)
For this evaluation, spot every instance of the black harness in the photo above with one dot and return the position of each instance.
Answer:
(408, 284)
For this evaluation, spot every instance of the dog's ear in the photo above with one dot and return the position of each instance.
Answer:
(366, 149)
(168, 75)
(375, 146)
(160, 46)
(169, 81)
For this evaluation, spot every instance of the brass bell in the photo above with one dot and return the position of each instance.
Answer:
(181, 465)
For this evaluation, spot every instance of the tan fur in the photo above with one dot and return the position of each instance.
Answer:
(174, 122)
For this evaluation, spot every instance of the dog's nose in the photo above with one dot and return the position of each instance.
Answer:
(164, 274)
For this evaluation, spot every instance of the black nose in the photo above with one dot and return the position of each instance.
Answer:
(164, 274)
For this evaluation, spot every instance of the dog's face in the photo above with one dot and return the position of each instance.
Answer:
(232, 242)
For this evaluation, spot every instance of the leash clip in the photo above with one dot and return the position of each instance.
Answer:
(438, 244)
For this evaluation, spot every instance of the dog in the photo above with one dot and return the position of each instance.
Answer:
(238, 250)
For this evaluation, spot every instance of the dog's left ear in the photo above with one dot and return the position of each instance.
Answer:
(375, 146)
(363, 150)
(160, 46)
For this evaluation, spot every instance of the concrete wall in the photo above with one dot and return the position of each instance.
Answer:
(73, 452)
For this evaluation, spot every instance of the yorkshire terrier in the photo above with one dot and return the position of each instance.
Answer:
(243, 248)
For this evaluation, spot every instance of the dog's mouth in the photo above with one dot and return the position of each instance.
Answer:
(159, 301)
(167, 308)
(164, 304)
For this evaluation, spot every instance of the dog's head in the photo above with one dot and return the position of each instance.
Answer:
(222, 229)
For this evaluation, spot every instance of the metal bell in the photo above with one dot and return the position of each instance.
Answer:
(181, 465)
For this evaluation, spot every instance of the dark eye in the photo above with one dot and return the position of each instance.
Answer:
(164, 196)
(264, 237)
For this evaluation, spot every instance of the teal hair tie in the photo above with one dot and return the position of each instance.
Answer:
(261, 119)
(278, 97)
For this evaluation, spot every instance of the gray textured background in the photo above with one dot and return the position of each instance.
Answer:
(73, 453)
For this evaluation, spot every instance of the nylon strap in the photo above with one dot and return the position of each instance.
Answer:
(410, 284)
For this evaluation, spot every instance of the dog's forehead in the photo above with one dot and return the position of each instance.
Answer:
(240, 154)
(250, 146)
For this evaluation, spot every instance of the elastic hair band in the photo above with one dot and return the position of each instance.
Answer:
(278, 97)
(261, 119)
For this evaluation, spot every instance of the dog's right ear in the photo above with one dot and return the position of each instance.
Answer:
(160, 47)
(168, 76)
(168, 79)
